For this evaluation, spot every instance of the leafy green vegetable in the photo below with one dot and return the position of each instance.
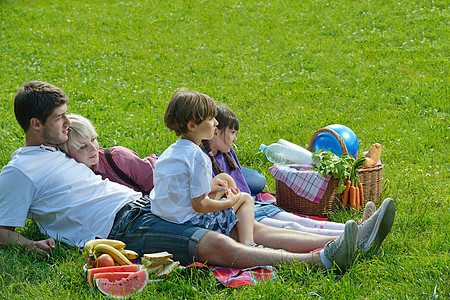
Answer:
(146, 262)
(329, 163)
(359, 162)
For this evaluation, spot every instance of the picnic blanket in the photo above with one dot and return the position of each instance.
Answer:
(234, 278)
(308, 184)
(231, 277)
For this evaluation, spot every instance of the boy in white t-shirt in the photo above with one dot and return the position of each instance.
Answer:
(185, 191)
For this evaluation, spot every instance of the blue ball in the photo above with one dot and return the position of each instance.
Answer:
(327, 142)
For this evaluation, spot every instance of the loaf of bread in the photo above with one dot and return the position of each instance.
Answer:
(168, 268)
(375, 152)
(158, 256)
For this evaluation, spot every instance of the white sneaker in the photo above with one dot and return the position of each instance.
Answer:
(373, 231)
(341, 251)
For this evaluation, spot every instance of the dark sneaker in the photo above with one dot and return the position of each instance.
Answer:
(374, 230)
(340, 252)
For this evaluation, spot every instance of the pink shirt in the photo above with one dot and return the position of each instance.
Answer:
(140, 170)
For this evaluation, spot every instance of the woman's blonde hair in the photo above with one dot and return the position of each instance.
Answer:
(80, 127)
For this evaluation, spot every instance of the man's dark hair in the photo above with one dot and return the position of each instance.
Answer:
(37, 99)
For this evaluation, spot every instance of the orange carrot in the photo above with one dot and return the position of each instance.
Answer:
(345, 194)
(352, 197)
(361, 195)
(357, 198)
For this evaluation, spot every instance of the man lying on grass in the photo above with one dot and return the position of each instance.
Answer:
(69, 202)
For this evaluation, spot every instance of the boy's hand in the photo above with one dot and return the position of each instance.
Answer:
(233, 195)
(217, 185)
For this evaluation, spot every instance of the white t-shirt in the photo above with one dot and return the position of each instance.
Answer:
(65, 198)
(182, 172)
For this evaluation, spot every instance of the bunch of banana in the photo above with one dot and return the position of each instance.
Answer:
(88, 249)
(130, 254)
(116, 249)
(113, 252)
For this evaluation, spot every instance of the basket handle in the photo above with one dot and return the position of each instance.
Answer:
(334, 133)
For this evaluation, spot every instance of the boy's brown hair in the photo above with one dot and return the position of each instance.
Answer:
(185, 106)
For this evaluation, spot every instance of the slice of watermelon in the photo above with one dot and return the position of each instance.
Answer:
(125, 268)
(112, 276)
(109, 285)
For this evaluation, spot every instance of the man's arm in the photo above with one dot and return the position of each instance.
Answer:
(15, 212)
(9, 237)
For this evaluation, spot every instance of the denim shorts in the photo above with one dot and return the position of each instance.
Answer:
(221, 221)
(144, 232)
(265, 210)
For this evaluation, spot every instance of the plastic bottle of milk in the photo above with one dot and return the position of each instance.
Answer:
(287, 152)
(305, 152)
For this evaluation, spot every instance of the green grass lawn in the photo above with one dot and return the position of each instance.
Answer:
(287, 68)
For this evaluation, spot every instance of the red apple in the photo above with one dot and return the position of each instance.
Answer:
(104, 260)
(369, 162)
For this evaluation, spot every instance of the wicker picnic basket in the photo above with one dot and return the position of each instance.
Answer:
(370, 178)
(288, 200)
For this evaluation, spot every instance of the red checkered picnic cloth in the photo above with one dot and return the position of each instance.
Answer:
(234, 278)
(308, 184)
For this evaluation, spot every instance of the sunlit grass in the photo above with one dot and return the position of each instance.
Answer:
(287, 68)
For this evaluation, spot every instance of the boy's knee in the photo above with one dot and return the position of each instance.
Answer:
(248, 198)
(226, 177)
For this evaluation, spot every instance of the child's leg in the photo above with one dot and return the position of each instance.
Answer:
(255, 180)
(307, 222)
(222, 177)
(299, 227)
(227, 178)
(245, 211)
